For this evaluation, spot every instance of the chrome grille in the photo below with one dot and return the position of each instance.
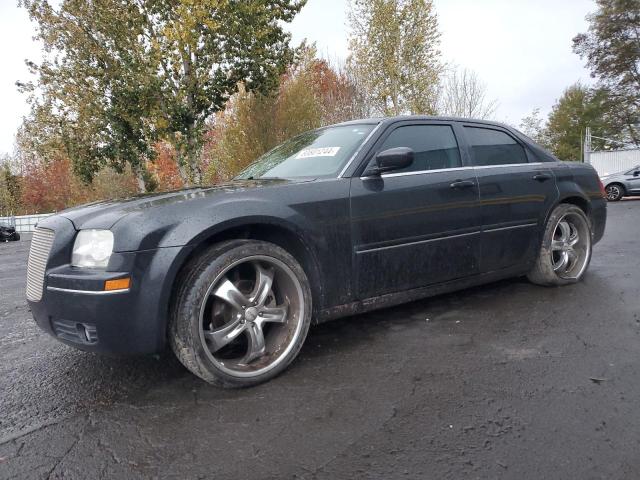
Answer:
(38, 256)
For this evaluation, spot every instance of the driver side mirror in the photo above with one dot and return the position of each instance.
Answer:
(391, 159)
(636, 173)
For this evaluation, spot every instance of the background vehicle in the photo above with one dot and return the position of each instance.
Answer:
(621, 184)
(8, 231)
(336, 221)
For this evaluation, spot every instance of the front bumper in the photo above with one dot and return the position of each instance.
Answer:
(9, 236)
(76, 310)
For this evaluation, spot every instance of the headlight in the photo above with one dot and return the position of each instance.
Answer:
(92, 249)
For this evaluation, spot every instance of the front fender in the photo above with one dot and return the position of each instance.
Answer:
(191, 222)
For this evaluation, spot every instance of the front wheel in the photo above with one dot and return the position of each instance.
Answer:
(614, 192)
(565, 252)
(241, 313)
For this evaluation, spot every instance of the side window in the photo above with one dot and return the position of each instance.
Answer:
(435, 146)
(493, 147)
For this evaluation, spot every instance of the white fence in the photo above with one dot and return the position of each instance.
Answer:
(25, 223)
(614, 161)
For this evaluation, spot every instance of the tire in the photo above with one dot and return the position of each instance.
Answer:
(565, 252)
(16, 236)
(615, 192)
(241, 313)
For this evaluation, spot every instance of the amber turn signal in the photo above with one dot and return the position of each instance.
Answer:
(119, 284)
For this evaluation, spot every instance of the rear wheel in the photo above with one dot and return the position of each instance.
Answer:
(241, 314)
(615, 192)
(566, 248)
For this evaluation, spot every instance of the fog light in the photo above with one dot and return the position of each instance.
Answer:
(119, 284)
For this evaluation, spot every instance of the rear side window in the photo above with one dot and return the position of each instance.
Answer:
(493, 147)
(435, 146)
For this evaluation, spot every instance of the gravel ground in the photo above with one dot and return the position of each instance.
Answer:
(508, 380)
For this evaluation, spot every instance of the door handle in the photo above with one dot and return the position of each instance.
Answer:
(541, 177)
(463, 184)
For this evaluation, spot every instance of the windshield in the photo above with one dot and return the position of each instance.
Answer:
(318, 153)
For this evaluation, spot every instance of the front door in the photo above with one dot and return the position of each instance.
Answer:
(418, 226)
(516, 192)
(632, 181)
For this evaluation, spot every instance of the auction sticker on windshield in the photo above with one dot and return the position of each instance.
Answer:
(318, 152)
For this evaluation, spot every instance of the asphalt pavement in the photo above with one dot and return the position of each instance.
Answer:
(508, 380)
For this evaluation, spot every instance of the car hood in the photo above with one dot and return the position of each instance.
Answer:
(105, 214)
(609, 176)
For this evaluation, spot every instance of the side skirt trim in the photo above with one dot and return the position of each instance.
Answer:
(398, 298)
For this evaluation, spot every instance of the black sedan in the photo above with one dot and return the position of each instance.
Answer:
(8, 232)
(336, 221)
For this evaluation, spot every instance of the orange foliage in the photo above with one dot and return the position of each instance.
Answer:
(336, 91)
(51, 187)
(164, 168)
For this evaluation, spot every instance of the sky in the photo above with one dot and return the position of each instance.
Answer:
(521, 49)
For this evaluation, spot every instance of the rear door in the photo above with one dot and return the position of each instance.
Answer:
(419, 226)
(516, 192)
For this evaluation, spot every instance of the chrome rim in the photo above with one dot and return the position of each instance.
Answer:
(613, 192)
(570, 246)
(251, 316)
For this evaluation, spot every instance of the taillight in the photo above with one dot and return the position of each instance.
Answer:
(603, 192)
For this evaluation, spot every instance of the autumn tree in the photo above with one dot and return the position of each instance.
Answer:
(164, 168)
(254, 123)
(340, 97)
(395, 54)
(464, 94)
(110, 184)
(312, 93)
(611, 48)
(51, 187)
(119, 75)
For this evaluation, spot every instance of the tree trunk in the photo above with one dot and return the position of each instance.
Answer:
(184, 175)
(180, 160)
(146, 183)
(195, 172)
(141, 186)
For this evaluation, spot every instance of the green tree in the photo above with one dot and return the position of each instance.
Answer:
(394, 54)
(612, 50)
(10, 188)
(579, 108)
(118, 75)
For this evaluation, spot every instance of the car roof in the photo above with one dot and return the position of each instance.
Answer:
(375, 120)
(540, 151)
